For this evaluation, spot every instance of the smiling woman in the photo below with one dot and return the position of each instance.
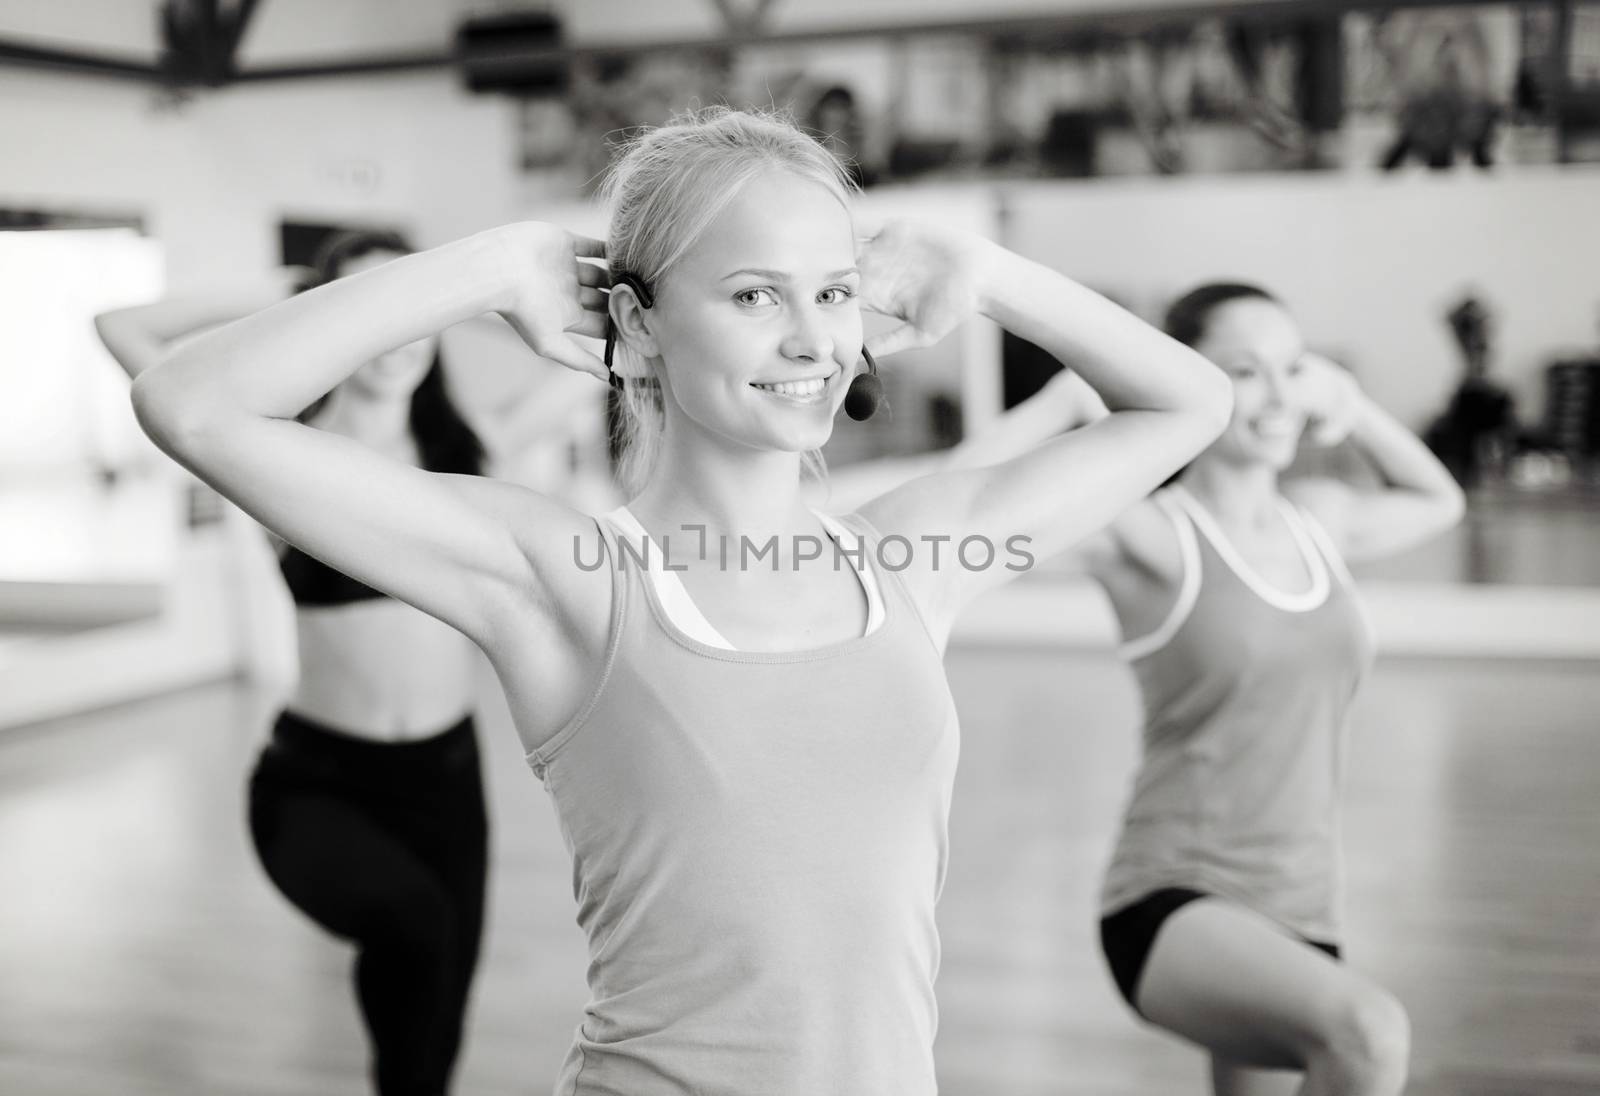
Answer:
(759, 916)
(1221, 909)
(729, 290)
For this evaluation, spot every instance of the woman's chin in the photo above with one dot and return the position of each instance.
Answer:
(1276, 456)
(801, 437)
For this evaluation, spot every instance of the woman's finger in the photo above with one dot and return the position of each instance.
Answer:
(593, 299)
(591, 274)
(566, 350)
(587, 247)
(592, 324)
(904, 337)
(877, 307)
(867, 226)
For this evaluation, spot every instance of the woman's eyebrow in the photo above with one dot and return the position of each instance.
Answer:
(780, 276)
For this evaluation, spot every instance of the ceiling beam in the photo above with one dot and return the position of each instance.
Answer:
(350, 66)
(26, 55)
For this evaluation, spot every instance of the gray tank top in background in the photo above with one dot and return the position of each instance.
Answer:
(1246, 691)
(758, 843)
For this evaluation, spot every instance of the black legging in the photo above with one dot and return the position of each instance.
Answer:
(385, 845)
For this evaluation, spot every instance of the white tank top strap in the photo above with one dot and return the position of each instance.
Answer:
(675, 600)
(680, 607)
(1188, 586)
(869, 580)
(1302, 602)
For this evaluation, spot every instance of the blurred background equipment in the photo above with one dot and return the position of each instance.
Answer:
(1572, 413)
(1476, 434)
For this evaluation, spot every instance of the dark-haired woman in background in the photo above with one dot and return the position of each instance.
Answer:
(367, 805)
(1221, 918)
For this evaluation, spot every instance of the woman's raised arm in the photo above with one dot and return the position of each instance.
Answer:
(224, 406)
(1165, 401)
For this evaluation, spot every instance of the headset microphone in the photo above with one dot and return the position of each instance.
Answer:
(864, 398)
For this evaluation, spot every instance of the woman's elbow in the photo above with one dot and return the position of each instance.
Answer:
(170, 419)
(1213, 401)
(1452, 505)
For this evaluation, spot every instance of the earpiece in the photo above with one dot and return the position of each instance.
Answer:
(864, 398)
(646, 300)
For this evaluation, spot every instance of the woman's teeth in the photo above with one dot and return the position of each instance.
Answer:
(796, 388)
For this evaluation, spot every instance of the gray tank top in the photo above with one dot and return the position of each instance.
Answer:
(1245, 691)
(758, 843)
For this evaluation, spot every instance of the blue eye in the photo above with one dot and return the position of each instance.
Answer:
(841, 293)
(752, 297)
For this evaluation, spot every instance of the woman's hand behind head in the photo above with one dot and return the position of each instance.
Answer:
(1332, 399)
(551, 295)
(931, 278)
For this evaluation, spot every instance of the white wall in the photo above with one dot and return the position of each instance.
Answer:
(1368, 263)
(64, 402)
(120, 28)
(215, 174)
(293, 31)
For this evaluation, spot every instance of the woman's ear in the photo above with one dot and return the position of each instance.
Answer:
(630, 319)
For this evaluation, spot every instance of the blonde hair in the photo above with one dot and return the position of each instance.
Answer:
(665, 188)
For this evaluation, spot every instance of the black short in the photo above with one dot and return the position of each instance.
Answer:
(1127, 935)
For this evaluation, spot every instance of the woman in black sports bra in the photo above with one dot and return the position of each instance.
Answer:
(366, 805)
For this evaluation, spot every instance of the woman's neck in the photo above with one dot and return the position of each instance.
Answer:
(1240, 495)
(732, 493)
(373, 422)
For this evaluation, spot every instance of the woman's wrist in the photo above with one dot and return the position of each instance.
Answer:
(996, 277)
(486, 269)
(1362, 413)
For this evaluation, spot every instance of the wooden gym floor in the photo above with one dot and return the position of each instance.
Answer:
(143, 953)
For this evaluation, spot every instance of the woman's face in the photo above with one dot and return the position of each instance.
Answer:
(395, 375)
(757, 327)
(1257, 344)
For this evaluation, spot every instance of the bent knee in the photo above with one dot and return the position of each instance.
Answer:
(1371, 1034)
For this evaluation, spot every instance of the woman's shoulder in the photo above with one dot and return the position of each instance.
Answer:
(569, 570)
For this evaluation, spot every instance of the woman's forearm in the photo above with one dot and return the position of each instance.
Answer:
(276, 362)
(1400, 457)
(1066, 403)
(1130, 365)
(138, 336)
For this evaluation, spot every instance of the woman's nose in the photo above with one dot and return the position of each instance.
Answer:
(808, 338)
